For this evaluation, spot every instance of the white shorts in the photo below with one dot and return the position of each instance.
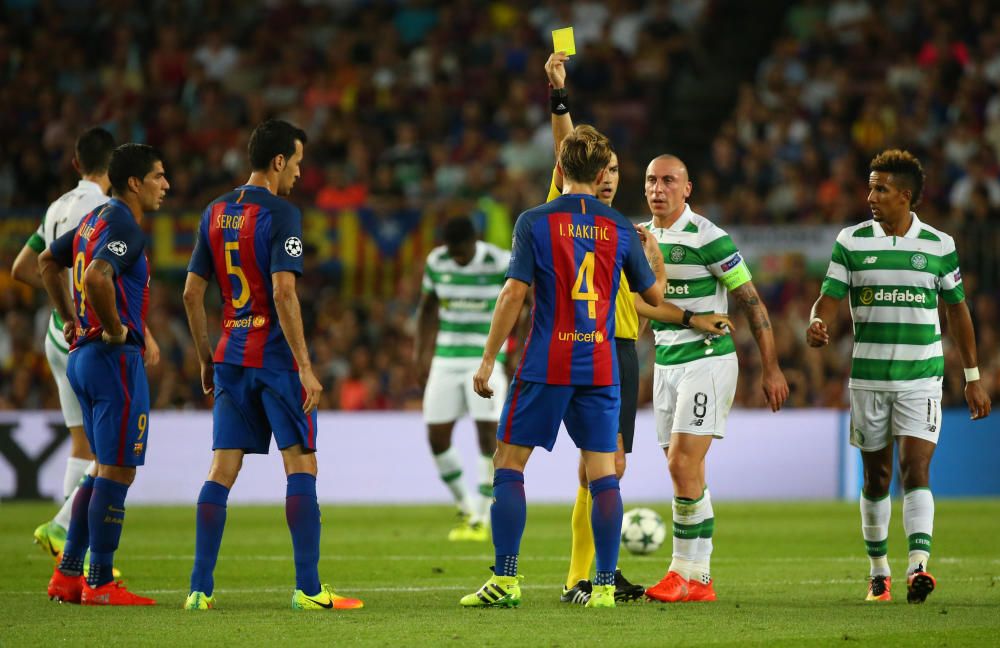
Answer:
(58, 359)
(694, 398)
(449, 394)
(877, 417)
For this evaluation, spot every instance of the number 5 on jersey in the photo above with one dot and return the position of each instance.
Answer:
(234, 270)
(583, 288)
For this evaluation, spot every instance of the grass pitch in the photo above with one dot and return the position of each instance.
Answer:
(786, 574)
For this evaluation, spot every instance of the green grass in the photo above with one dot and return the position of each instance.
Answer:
(786, 574)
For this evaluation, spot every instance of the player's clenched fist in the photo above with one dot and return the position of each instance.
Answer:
(817, 334)
(481, 381)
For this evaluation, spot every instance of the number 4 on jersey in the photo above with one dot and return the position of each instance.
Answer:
(585, 276)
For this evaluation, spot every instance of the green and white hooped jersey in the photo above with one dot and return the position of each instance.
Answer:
(64, 215)
(467, 297)
(893, 283)
(702, 265)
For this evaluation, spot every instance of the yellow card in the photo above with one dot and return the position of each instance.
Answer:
(562, 41)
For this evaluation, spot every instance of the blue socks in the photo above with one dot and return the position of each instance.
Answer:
(302, 513)
(78, 534)
(106, 517)
(211, 522)
(508, 516)
(606, 520)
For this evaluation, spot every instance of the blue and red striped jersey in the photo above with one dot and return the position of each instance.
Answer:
(574, 249)
(111, 234)
(245, 236)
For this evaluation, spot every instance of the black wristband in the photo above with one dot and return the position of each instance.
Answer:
(686, 320)
(559, 101)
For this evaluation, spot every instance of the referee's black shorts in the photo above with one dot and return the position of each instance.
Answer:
(628, 375)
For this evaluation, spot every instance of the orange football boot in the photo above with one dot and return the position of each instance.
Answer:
(918, 585)
(671, 589)
(113, 593)
(698, 591)
(65, 589)
(878, 588)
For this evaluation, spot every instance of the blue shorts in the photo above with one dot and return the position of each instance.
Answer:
(110, 383)
(532, 413)
(251, 404)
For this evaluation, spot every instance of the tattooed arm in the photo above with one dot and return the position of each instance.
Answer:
(99, 284)
(772, 380)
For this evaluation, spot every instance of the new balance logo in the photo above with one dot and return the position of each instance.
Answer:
(870, 260)
(697, 422)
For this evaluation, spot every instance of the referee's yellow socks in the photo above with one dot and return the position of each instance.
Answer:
(582, 556)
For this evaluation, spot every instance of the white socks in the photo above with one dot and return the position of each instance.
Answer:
(688, 516)
(702, 570)
(485, 500)
(918, 522)
(66, 510)
(450, 469)
(875, 516)
(75, 469)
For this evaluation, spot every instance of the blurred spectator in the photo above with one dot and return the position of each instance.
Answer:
(975, 179)
(421, 109)
(216, 55)
(340, 191)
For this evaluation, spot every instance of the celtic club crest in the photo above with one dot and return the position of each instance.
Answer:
(677, 254)
(918, 261)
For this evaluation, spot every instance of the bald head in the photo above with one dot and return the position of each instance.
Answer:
(673, 161)
(667, 188)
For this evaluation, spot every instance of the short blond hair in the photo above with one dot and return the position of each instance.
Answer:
(584, 153)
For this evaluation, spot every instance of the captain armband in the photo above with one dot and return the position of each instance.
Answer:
(735, 277)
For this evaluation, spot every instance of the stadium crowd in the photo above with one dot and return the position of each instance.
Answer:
(433, 106)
